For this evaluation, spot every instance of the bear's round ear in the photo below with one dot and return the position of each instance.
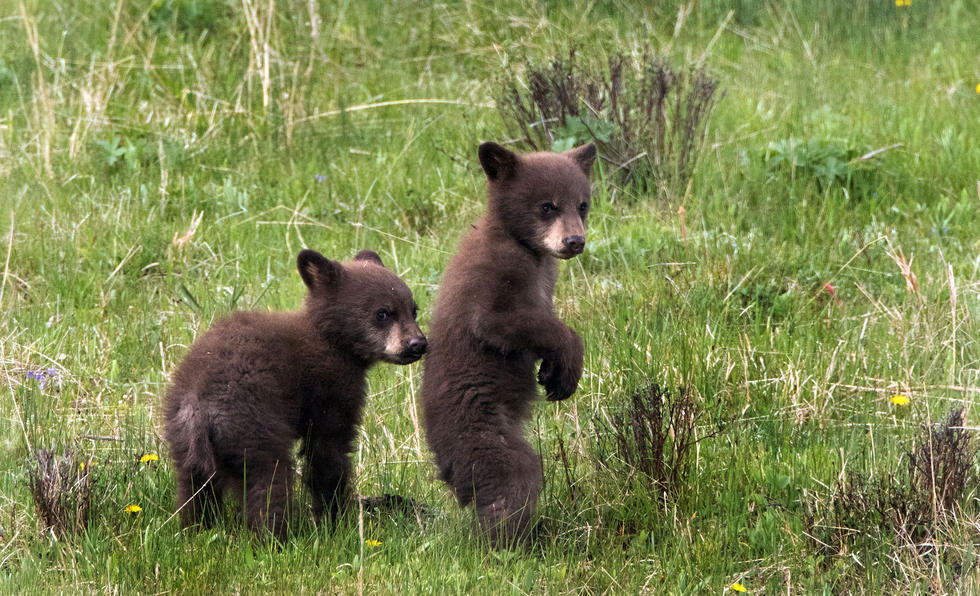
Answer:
(316, 270)
(370, 256)
(497, 162)
(584, 156)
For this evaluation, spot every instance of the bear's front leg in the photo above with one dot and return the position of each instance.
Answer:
(560, 373)
(327, 474)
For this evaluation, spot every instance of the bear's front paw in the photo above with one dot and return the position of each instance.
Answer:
(560, 375)
(545, 372)
(562, 382)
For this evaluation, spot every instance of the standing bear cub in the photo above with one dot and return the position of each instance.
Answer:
(494, 319)
(257, 382)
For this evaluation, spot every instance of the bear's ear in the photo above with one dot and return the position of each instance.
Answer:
(497, 162)
(584, 156)
(317, 271)
(370, 256)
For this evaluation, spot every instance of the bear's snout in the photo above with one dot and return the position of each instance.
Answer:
(411, 349)
(574, 244)
(416, 346)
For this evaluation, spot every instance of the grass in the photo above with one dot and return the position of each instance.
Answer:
(162, 163)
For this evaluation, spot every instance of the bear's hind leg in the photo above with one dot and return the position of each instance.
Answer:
(198, 497)
(268, 494)
(506, 486)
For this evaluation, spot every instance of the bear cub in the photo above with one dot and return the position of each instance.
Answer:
(494, 319)
(257, 382)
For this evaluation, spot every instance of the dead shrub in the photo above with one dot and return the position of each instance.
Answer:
(654, 437)
(911, 503)
(941, 468)
(647, 116)
(61, 486)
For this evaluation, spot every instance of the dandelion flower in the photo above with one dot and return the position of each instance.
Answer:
(372, 542)
(978, 88)
(900, 400)
(149, 457)
(903, 2)
(737, 587)
(133, 509)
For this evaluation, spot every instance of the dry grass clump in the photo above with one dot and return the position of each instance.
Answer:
(61, 486)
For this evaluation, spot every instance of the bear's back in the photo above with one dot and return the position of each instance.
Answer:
(245, 356)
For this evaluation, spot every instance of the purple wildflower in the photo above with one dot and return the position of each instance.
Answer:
(42, 376)
(319, 177)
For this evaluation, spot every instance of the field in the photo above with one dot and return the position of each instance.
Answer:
(806, 303)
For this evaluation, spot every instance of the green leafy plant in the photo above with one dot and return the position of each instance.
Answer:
(827, 163)
(188, 16)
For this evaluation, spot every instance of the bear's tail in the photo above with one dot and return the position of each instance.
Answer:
(190, 427)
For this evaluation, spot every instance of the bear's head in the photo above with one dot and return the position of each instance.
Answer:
(541, 199)
(362, 307)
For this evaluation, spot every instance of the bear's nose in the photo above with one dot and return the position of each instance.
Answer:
(418, 345)
(574, 244)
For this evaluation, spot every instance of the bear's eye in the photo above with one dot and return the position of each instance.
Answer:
(415, 311)
(548, 208)
(383, 315)
(583, 208)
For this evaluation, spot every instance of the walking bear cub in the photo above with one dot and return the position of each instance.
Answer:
(257, 382)
(493, 320)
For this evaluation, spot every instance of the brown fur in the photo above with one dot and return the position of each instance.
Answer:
(257, 382)
(493, 320)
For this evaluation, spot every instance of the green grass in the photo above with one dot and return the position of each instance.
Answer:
(120, 123)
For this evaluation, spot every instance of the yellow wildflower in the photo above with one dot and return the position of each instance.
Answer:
(903, 2)
(133, 509)
(737, 587)
(149, 457)
(978, 88)
(372, 542)
(900, 400)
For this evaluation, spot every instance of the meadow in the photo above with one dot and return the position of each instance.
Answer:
(807, 303)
